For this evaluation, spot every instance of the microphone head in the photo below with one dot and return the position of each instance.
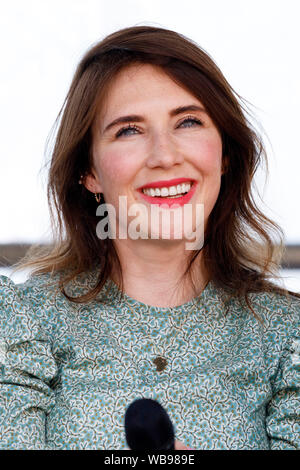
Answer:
(148, 426)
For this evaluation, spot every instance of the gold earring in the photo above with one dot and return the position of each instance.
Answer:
(98, 197)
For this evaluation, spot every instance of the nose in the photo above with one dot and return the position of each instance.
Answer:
(163, 153)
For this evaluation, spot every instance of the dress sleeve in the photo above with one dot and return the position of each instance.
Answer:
(283, 413)
(27, 368)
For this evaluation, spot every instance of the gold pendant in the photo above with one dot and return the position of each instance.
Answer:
(160, 362)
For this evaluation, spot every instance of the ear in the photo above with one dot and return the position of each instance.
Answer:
(91, 182)
(225, 164)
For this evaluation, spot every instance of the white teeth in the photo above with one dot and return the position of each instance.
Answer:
(170, 191)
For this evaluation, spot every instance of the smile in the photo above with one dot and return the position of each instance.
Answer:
(169, 193)
(172, 191)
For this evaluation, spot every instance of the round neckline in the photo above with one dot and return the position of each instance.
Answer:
(115, 291)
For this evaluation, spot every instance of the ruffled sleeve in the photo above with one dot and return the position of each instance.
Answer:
(27, 369)
(283, 413)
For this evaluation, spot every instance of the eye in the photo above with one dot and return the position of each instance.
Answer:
(128, 130)
(125, 130)
(190, 121)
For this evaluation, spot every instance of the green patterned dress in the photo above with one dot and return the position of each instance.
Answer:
(68, 371)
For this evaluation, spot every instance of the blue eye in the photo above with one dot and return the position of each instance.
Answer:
(124, 130)
(191, 122)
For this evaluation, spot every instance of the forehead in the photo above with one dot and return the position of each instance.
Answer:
(142, 84)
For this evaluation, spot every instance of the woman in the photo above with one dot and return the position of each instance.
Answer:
(121, 307)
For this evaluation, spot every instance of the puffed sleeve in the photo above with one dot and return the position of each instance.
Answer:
(283, 413)
(27, 369)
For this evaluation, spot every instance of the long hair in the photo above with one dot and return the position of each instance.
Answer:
(243, 247)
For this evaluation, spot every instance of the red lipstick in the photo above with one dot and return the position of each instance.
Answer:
(166, 183)
(166, 200)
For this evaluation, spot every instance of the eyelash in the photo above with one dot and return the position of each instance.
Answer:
(134, 127)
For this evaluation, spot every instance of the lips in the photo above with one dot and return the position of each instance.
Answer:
(167, 200)
(166, 183)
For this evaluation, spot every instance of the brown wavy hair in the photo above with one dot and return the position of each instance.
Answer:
(243, 247)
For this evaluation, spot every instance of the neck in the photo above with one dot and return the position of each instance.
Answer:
(154, 275)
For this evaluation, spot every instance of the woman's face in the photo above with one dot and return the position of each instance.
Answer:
(151, 130)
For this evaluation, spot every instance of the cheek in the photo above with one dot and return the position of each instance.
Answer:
(115, 169)
(207, 153)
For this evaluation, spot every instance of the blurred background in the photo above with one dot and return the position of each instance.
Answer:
(255, 43)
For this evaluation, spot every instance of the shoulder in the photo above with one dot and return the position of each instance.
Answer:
(275, 327)
(280, 315)
(41, 295)
(273, 315)
(277, 307)
(37, 289)
(281, 335)
(29, 307)
(269, 306)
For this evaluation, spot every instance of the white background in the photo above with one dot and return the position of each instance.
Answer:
(255, 43)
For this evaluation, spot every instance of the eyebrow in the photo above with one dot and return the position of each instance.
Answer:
(137, 118)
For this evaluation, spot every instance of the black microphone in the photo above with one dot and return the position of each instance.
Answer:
(148, 426)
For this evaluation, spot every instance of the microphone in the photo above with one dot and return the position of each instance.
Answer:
(148, 426)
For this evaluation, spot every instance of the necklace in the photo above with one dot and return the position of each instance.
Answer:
(172, 318)
(160, 362)
(169, 320)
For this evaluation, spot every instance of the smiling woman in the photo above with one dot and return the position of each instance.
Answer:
(161, 147)
(150, 120)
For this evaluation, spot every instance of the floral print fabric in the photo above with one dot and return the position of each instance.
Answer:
(69, 371)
